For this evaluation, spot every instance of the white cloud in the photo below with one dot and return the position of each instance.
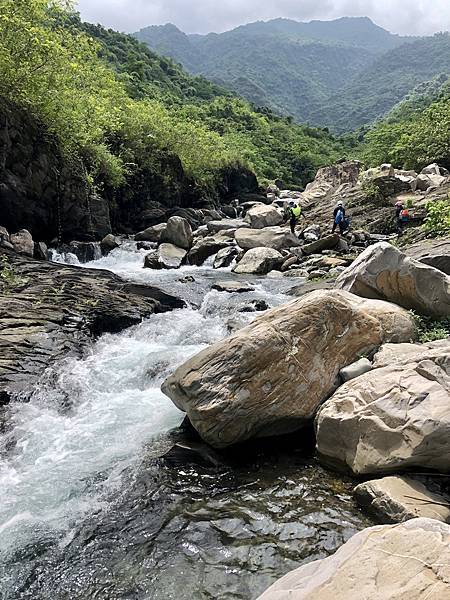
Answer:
(418, 17)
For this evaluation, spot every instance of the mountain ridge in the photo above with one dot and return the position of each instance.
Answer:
(310, 71)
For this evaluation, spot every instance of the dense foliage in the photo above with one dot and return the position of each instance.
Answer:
(118, 106)
(386, 82)
(413, 137)
(341, 74)
(292, 67)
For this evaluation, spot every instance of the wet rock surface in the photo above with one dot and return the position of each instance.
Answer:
(48, 310)
(202, 524)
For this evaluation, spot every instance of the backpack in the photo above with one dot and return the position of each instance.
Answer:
(339, 216)
(404, 215)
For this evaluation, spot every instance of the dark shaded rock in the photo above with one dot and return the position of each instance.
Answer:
(225, 257)
(326, 243)
(232, 287)
(85, 251)
(204, 248)
(254, 306)
(40, 251)
(146, 245)
(151, 234)
(56, 309)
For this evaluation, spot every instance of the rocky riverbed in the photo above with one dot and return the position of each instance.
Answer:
(100, 496)
(106, 492)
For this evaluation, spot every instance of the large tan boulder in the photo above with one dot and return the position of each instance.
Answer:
(390, 419)
(409, 561)
(278, 238)
(22, 242)
(270, 377)
(383, 272)
(396, 499)
(260, 216)
(259, 261)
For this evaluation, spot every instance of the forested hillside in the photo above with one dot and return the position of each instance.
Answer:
(122, 110)
(415, 133)
(394, 75)
(340, 74)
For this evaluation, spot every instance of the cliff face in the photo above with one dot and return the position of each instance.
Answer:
(39, 190)
(47, 194)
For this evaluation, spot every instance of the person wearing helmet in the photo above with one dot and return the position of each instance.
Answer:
(402, 217)
(339, 217)
(294, 212)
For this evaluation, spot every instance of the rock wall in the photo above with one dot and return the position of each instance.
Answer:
(47, 194)
(39, 190)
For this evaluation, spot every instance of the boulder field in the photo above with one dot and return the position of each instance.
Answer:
(270, 377)
(409, 561)
(394, 417)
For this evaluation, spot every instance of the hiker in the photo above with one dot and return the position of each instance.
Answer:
(402, 216)
(339, 218)
(294, 213)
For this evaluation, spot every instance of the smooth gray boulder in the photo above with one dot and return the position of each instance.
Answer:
(435, 253)
(278, 238)
(258, 261)
(270, 377)
(109, 242)
(326, 243)
(167, 256)
(390, 419)
(206, 247)
(178, 232)
(396, 499)
(260, 216)
(361, 366)
(151, 234)
(383, 272)
(22, 242)
(407, 561)
(216, 226)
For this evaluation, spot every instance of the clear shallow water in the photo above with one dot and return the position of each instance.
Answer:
(88, 510)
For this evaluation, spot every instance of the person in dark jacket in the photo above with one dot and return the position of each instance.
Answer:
(294, 213)
(339, 217)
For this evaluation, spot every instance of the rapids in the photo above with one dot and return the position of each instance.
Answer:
(95, 504)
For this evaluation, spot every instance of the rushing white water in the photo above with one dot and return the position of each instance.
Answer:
(90, 417)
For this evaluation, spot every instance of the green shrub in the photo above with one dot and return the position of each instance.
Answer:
(431, 329)
(437, 221)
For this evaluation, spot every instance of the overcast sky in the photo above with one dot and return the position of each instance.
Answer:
(418, 17)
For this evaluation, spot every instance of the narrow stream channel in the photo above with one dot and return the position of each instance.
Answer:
(93, 506)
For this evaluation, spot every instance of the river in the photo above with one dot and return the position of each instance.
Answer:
(96, 503)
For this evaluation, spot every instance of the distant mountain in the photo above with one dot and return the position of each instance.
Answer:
(341, 74)
(387, 81)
